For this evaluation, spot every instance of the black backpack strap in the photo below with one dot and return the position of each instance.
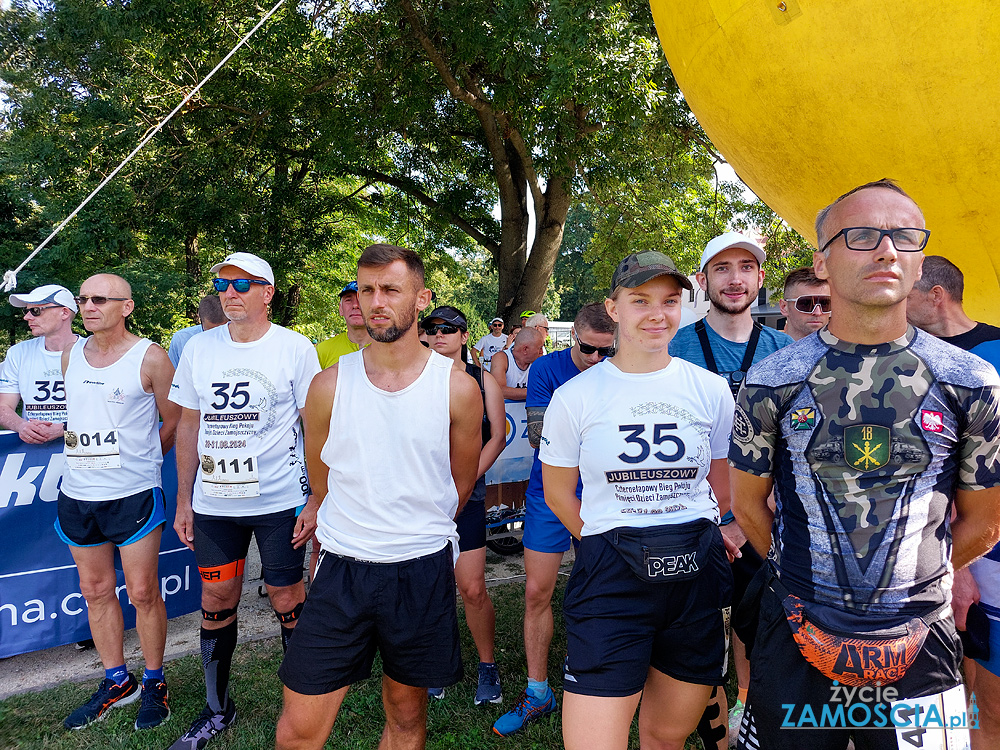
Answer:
(706, 346)
(751, 347)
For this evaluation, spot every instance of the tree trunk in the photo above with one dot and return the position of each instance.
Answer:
(512, 255)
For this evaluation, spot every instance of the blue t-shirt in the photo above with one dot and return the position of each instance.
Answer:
(547, 373)
(728, 354)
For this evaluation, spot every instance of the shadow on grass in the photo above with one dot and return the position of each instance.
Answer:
(34, 720)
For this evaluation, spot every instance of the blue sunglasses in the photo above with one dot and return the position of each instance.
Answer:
(240, 285)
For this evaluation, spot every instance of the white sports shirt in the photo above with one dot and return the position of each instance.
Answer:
(643, 442)
(35, 373)
(489, 345)
(249, 440)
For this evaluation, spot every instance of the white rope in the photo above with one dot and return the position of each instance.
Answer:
(10, 277)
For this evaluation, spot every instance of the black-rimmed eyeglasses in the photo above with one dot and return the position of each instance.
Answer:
(904, 239)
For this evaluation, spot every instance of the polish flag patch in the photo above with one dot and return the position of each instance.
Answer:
(932, 421)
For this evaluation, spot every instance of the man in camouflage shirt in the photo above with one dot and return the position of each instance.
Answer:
(870, 434)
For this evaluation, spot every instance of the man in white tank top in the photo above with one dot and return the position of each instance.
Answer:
(32, 372)
(111, 494)
(393, 436)
(240, 470)
(510, 368)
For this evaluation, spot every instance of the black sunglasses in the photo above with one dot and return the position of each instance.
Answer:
(97, 299)
(36, 311)
(904, 239)
(240, 285)
(604, 351)
(808, 302)
(441, 328)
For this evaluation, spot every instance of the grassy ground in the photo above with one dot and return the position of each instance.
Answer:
(34, 720)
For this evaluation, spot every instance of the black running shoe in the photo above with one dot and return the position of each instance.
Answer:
(154, 709)
(109, 695)
(205, 727)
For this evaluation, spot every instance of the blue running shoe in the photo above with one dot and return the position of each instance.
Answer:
(109, 695)
(528, 708)
(488, 689)
(436, 693)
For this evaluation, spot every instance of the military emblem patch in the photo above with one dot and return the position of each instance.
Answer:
(742, 429)
(803, 419)
(866, 447)
(932, 421)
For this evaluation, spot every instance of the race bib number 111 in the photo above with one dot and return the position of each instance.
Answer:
(231, 476)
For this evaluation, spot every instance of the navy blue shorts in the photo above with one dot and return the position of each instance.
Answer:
(405, 611)
(471, 521)
(87, 523)
(618, 626)
(221, 544)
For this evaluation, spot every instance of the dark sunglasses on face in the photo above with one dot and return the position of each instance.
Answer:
(440, 328)
(808, 302)
(98, 299)
(36, 311)
(604, 351)
(240, 285)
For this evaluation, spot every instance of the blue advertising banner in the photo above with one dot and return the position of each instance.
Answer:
(514, 464)
(40, 601)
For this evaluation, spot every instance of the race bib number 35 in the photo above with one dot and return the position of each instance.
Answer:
(230, 476)
(97, 449)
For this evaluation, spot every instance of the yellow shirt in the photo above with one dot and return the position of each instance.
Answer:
(332, 349)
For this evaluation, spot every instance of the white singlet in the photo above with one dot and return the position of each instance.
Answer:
(391, 496)
(516, 377)
(643, 441)
(35, 374)
(112, 442)
(248, 396)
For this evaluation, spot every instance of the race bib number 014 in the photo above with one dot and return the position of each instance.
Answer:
(92, 450)
(233, 476)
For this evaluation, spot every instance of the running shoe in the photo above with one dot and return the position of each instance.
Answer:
(528, 708)
(205, 727)
(488, 690)
(109, 695)
(436, 693)
(153, 710)
(735, 719)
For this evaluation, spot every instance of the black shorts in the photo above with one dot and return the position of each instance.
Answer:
(471, 521)
(404, 610)
(617, 626)
(85, 523)
(221, 544)
(785, 691)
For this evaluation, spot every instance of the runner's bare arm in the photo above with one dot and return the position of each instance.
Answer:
(718, 479)
(498, 369)
(157, 372)
(475, 357)
(316, 428)
(465, 435)
(976, 527)
(29, 431)
(749, 494)
(497, 417)
(187, 471)
(559, 483)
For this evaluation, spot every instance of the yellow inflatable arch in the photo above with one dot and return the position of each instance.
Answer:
(809, 98)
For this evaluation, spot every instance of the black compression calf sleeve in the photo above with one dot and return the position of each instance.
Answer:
(217, 648)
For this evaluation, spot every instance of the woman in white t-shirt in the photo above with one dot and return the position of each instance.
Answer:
(647, 604)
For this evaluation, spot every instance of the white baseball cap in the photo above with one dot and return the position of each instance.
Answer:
(54, 293)
(496, 320)
(728, 240)
(250, 263)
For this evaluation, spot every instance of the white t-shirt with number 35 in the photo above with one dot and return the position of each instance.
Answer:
(248, 396)
(644, 442)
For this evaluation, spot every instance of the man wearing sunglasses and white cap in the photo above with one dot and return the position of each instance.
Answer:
(32, 372)
(727, 342)
(490, 344)
(111, 494)
(240, 469)
(806, 303)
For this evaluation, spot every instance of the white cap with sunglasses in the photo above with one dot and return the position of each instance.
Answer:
(248, 263)
(45, 295)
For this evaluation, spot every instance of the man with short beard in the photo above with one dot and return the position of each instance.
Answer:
(727, 342)
(393, 437)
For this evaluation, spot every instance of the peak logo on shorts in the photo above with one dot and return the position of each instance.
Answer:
(931, 421)
(672, 565)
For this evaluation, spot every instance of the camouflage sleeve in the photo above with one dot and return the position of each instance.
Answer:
(755, 431)
(979, 444)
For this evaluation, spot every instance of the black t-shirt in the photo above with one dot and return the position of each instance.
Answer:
(973, 337)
